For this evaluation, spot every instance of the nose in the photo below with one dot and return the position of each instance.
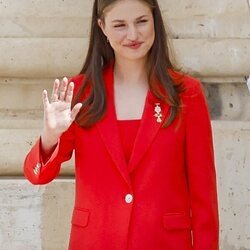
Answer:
(132, 33)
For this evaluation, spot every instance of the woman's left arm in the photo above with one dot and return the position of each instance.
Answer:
(201, 171)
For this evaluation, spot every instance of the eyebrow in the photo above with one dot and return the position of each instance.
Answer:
(119, 20)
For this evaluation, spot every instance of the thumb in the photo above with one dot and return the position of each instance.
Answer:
(75, 111)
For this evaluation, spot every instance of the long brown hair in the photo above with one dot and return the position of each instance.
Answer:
(100, 54)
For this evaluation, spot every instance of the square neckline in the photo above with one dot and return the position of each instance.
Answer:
(129, 120)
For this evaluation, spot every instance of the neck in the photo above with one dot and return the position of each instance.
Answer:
(131, 72)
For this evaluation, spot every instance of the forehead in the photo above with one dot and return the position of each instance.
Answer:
(126, 10)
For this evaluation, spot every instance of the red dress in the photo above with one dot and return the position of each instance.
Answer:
(128, 131)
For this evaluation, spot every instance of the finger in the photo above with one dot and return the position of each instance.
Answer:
(54, 96)
(45, 99)
(63, 88)
(75, 111)
(69, 94)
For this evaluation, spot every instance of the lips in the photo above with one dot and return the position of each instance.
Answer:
(134, 45)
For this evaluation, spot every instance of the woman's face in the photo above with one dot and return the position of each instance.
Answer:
(129, 27)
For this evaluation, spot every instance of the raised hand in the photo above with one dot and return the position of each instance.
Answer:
(58, 115)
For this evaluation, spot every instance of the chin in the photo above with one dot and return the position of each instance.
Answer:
(135, 56)
(131, 58)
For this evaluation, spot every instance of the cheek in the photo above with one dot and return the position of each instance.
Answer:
(116, 37)
(150, 32)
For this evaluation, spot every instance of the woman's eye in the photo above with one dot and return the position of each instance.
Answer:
(143, 21)
(123, 25)
(119, 25)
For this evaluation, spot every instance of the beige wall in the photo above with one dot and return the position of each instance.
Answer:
(42, 40)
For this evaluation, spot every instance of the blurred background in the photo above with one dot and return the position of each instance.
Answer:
(41, 40)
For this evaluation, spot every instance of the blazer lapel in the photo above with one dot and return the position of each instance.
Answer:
(148, 129)
(108, 128)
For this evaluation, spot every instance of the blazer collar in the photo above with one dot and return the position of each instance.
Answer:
(108, 129)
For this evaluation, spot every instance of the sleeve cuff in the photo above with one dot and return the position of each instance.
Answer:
(44, 158)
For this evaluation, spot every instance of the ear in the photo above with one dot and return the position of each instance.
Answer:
(102, 26)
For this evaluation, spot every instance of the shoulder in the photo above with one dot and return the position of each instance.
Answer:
(77, 78)
(189, 85)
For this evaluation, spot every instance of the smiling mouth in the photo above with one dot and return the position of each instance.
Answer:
(134, 45)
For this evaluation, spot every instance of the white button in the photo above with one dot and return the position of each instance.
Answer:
(129, 198)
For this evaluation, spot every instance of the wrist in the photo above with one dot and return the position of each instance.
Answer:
(49, 140)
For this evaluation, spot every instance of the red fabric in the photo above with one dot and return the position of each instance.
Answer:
(128, 130)
(171, 175)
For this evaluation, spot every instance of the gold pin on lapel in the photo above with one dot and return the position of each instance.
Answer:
(158, 113)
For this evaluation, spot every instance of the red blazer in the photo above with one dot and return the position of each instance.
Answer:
(165, 198)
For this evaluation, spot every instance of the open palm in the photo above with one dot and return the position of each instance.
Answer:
(58, 115)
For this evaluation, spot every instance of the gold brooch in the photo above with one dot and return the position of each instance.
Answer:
(158, 113)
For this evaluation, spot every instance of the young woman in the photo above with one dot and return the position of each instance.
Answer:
(144, 165)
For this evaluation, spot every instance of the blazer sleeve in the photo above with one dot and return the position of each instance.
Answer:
(38, 172)
(201, 172)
